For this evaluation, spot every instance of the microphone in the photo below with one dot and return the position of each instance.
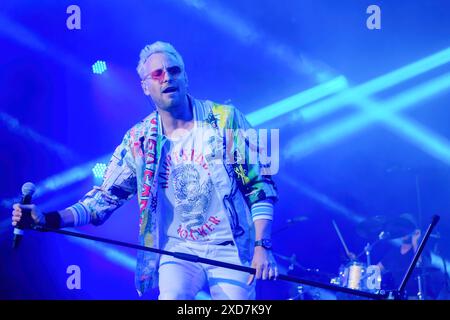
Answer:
(28, 190)
(296, 219)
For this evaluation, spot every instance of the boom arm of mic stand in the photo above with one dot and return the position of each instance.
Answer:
(194, 258)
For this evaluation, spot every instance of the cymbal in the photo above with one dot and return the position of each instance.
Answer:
(371, 227)
(393, 228)
(292, 259)
(399, 227)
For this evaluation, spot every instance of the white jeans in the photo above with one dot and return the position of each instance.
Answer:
(182, 280)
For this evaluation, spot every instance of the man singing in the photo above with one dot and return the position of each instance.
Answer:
(198, 190)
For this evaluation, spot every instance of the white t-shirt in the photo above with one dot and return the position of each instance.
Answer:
(190, 207)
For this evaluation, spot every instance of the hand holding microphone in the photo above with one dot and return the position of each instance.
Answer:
(25, 213)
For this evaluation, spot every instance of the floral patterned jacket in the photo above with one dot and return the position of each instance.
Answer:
(133, 168)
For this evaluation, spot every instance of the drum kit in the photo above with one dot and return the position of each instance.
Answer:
(356, 274)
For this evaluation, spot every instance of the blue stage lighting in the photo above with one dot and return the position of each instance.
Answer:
(99, 170)
(99, 67)
(301, 146)
(296, 101)
(346, 98)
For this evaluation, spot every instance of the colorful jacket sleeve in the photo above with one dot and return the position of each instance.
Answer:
(254, 184)
(118, 186)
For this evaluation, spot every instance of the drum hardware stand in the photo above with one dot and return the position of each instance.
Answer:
(420, 280)
(368, 248)
(420, 286)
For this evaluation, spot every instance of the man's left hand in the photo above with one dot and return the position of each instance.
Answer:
(265, 265)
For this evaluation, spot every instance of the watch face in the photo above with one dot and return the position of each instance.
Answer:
(266, 243)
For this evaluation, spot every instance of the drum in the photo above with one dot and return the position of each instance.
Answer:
(356, 272)
(356, 275)
(351, 275)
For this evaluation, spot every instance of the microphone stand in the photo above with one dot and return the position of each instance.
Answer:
(193, 258)
(420, 279)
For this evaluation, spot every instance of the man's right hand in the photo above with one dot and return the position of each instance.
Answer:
(36, 214)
